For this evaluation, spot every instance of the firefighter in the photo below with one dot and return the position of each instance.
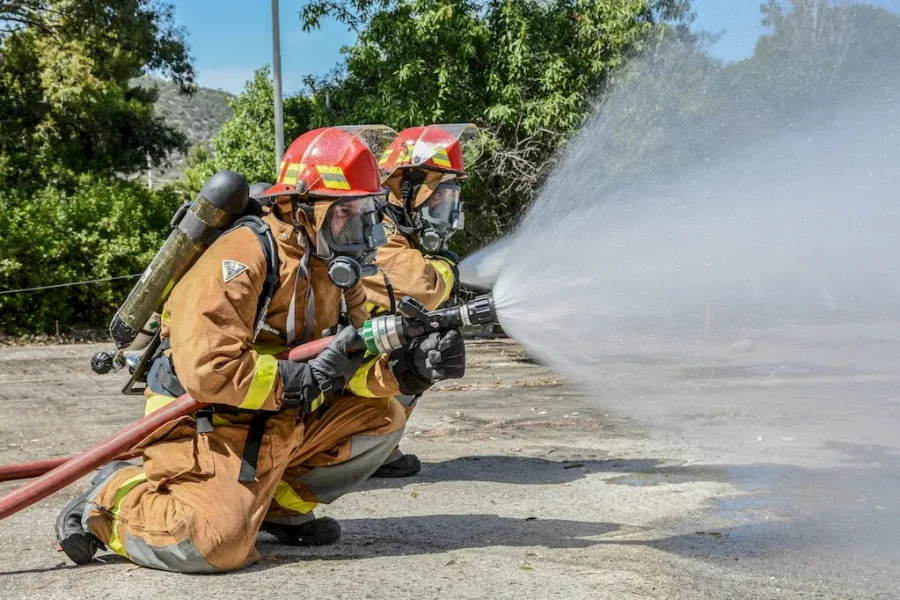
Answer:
(283, 436)
(424, 167)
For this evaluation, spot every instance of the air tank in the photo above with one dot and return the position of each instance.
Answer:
(195, 226)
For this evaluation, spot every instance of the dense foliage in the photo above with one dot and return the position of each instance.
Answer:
(104, 228)
(528, 72)
(72, 126)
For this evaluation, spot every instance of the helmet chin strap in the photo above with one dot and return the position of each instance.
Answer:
(407, 220)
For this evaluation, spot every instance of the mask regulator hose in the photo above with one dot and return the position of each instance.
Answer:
(387, 333)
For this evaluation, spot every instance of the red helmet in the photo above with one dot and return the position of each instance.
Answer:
(331, 163)
(445, 148)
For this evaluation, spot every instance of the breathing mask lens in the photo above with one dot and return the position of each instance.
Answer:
(353, 230)
(443, 209)
(353, 227)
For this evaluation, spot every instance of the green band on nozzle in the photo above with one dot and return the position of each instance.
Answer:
(369, 337)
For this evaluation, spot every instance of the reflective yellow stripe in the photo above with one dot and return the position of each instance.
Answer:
(446, 274)
(114, 543)
(287, 498)
(268, 350)
(359, 384)
(317, 402)
(333, 177)
(262, 383)
(156, 402)
(291, 173)
(440, 158)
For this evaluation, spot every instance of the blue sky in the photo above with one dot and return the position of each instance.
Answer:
(231, 38)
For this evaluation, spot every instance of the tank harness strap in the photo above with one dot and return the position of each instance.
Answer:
(163, 379)
(302, 273)
(267, 241)
(204, 418)
(250, 456)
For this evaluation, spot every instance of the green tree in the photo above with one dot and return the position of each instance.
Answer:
(104, 228)
(65, 97)
(820, 52)
(527, 71)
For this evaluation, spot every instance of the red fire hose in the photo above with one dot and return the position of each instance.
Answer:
(66, 471)
(39, 467)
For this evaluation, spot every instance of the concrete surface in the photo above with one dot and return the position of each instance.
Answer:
(692, 474)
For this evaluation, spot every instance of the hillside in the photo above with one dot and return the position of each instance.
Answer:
(198, 116)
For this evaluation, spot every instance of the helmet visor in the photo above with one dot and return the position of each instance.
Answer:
(443, 209)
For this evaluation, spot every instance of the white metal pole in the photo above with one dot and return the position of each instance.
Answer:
(276, 76)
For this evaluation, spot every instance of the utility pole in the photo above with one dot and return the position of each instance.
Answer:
(276, 76)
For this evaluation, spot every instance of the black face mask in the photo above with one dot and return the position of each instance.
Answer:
(353, 231)
(442, 215)
(433, 223)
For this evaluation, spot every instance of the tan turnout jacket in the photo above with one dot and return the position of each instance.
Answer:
(210, 317)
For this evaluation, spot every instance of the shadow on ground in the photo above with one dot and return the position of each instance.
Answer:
(436, 534)
(519, 470)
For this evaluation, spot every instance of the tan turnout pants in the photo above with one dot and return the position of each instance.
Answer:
(185, 509)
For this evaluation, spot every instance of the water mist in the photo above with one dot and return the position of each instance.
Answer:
(734, 229)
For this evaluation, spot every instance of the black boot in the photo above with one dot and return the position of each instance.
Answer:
(317, 532)
(399, 465)
(78, 544)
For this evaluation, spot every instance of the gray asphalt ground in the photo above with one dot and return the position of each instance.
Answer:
(743, 465)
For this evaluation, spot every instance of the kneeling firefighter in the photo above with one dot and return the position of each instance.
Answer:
(281, 436)
(423, 168)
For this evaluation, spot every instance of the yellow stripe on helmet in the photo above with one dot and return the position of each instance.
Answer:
(333, 177)
(441, 159)
(291, 173)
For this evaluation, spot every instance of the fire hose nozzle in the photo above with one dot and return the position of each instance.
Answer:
(391, 332)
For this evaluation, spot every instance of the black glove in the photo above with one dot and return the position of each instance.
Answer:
(300, 386)
(427, 359)
(339, 361)
(327, 373)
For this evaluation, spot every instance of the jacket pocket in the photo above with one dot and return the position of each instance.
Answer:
(175, 451)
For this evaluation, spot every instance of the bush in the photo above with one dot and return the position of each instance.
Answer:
(106, 228)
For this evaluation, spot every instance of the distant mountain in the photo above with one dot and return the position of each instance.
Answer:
(199, 116)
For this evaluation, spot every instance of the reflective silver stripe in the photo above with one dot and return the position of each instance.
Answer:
(407, 400)
(182, 557)
(367, 453)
